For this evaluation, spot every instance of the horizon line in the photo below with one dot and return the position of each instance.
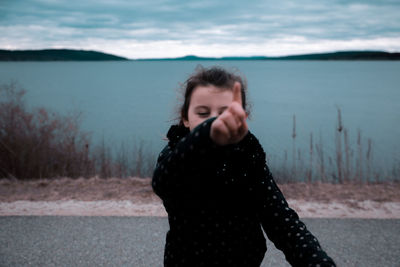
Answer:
(194, 56)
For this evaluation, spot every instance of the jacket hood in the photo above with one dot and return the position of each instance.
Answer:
(175, 133)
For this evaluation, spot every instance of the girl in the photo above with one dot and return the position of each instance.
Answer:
(217, 189)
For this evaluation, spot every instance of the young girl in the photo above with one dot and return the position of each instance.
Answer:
(217, 189)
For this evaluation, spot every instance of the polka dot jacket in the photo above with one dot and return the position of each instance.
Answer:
(218, 200)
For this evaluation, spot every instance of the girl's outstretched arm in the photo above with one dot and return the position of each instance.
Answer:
(281, 223)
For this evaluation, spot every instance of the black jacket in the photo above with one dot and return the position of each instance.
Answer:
(217, 199)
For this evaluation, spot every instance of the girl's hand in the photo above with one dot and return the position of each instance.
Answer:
(231, 127)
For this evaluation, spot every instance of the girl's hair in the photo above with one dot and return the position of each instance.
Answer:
(216, 76)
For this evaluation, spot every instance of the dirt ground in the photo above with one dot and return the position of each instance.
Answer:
(139, 190)
(135, 197)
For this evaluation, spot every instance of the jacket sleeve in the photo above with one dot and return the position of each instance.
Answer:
(281, 223)
(173, 161)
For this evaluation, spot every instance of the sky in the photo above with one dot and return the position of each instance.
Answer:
(173, 28)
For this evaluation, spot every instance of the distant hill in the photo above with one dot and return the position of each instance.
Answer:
(345, 55)
(55, 55)
(83, 55)
(193, 58)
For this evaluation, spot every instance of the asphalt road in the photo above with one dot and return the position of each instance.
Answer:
(139, 241)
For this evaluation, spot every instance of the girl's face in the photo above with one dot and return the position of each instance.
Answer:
(207, 102)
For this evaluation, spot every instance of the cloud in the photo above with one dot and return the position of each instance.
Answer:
(173, 27)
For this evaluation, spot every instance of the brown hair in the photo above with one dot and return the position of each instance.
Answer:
(216, 76)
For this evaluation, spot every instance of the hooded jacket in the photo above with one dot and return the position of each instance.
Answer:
(218, 200)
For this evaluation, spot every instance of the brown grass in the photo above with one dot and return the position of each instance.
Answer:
(37, 144)
(78, 189)
(140, 188)
(325, 192)
(347, 165)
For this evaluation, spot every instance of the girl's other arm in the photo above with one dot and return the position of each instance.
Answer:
(282, 224)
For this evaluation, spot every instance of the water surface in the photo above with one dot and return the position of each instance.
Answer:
(130, 100)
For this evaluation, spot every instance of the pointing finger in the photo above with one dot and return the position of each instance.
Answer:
(237, 93)
(237, 111)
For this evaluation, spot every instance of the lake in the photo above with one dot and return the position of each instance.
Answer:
(138, 100)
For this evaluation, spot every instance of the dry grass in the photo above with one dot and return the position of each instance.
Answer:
(347, 164)
(77, 189)
(37, 143)
(325, 192)
(140, 188)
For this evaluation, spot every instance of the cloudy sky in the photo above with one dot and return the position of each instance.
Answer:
(172, 28)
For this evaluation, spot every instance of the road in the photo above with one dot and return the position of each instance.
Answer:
(139, 241)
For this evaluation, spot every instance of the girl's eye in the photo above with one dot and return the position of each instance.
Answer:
(203, 114)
